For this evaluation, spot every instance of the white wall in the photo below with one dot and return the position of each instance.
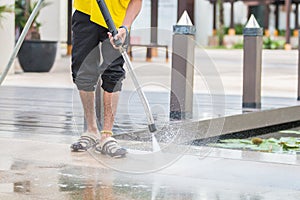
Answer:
(7, 37)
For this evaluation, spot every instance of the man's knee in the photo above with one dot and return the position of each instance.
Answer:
(112, 82)
(86, 76)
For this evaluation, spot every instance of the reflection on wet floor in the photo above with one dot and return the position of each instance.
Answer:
(43, 181)
(83, 183)
(17, 168)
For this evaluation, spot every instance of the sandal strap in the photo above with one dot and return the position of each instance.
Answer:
(109, 144)
(86, 141)
(90, 136)
(111, 147)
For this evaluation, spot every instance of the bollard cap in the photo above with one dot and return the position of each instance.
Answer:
(184, 25)
(252, 28)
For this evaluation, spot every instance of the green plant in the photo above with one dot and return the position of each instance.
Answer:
(23, 10)
(268, 43)
(238, 45)
(226, 29)
(281, 32)
(239, 29)
(281, 145)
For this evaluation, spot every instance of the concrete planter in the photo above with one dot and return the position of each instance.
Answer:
(37, 55)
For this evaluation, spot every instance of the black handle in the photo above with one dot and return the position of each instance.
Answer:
(109, 22)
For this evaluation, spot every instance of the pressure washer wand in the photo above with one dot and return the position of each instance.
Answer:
(112, 29)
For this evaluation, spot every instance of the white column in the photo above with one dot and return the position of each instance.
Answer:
(7, 36)
(203, 21)
(63, 20)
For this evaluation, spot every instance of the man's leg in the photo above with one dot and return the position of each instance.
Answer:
(88, 103)
(86, 81)
(91, 136)
(110, 104)
(112, 78)
(85, 72)
(108, 145)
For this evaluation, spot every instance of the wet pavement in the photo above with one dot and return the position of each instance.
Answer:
(41, 115)
(46, 170)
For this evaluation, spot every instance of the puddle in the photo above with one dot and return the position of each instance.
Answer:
(71, 182)
(148, 187)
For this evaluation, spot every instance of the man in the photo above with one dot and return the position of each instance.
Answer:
(89, 29)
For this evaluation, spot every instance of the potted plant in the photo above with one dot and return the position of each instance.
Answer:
(35, 55)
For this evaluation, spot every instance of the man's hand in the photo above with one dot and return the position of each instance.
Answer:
(122, 33)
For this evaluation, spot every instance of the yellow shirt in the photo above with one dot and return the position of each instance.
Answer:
(117, 9)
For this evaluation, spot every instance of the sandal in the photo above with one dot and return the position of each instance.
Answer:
(109, 146)
(85, 142)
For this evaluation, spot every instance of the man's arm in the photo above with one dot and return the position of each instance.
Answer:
(133, 9)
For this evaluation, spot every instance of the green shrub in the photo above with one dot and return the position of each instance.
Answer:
(238, 45)
(239, 29)
(268, 43)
